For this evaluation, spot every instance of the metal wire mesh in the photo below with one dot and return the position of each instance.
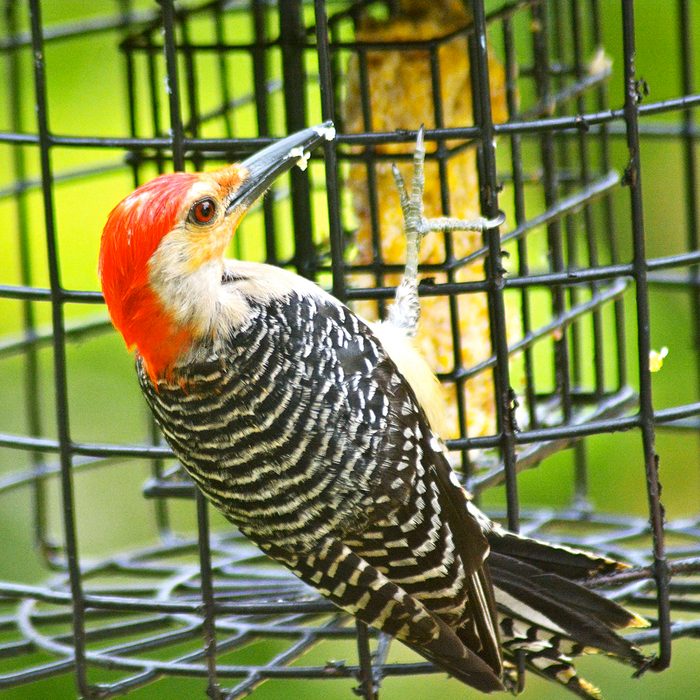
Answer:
(205, 82)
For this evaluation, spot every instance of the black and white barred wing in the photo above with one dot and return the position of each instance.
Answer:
(300, 429)
(416, 568)
(354, 585)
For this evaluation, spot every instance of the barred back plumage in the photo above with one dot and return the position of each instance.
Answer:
(300, 429)
(283, 420)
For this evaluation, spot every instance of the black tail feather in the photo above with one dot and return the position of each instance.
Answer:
(560, 670)
(564, 561)
(550, 601)
(448, 652)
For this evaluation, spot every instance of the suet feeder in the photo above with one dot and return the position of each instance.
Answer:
(546, 339)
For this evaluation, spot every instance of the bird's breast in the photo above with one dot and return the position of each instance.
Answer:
(261, 421)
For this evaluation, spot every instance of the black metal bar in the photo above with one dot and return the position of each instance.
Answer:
(31, 361)
(511, 68)
(67, 175)
(590, 121)
(365, 672)
(566, 37)
(523, 437)
(532, 455)
(591, 285)
(591, 237)
(154, 85)
(191, 77)
(558, 209)
(370, 156)
(260, 73)
(488, 195)
(205, 569)
(580, 493)
(59, 354)
(173, 84)
(177, 131)
(609, 223)
(583, 275)
(691, 164)
(455, 326)
(338, 61)
(254, 679)
(218, 21)
(161, 511)
(131, 88)
(558, 323)
(292, 41)
(550, 186)
(332, 180)
(646, 407)
(73, 29)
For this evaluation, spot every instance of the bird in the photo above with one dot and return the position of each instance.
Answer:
(394, 88)
(303, 424)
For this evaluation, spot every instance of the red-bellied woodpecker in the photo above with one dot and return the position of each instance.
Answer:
(304, 426)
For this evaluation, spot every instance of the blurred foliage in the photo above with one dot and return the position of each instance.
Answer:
(105, 404)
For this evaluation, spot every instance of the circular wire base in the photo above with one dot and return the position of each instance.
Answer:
(144, 614)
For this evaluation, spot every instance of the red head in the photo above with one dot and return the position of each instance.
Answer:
(161, 258)
(184, 217)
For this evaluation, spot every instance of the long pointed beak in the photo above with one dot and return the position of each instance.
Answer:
(264, 167)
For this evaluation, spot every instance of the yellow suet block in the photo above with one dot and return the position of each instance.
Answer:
(402, 97)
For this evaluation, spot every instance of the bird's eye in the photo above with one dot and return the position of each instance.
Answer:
(203, 211)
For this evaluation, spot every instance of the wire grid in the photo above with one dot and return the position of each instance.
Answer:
(130, 612)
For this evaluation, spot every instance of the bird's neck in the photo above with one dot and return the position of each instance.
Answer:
(158, 338)
(177, 310)
(186, 313)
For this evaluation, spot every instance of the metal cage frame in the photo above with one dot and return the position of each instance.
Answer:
(224, 591)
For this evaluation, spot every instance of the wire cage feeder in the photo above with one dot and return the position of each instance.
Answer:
(569, 291)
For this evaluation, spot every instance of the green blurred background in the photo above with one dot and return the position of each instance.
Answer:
(106, 406)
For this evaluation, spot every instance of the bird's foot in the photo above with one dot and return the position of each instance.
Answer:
(405, 312)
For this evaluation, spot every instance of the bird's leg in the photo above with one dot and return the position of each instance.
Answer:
(405, 312)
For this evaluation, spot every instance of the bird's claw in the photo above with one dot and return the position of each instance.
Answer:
(405, 312)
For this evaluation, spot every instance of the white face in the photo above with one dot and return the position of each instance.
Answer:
(185, 270)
